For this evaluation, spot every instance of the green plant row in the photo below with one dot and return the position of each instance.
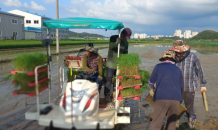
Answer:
(196, 43)
(8, 44)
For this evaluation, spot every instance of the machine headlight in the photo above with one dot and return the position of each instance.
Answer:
(78, 94)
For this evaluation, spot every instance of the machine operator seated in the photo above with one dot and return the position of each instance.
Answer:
(92, 61)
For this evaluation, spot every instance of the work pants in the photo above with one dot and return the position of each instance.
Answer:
(161, 108)
(110, 74)
(188, 98)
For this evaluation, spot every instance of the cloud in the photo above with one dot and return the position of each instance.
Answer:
(149, 12)
(11, 3)
(36, 6)
(17, 3)
(26, 5)
(49, 1)
(72, 10)
(76, 1)
(151, 16)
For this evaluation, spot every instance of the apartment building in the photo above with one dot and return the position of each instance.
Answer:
(11, 26)
(33, 22)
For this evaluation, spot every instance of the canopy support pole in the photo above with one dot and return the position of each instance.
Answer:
(49, 67)
(117, 83)
(57, 30)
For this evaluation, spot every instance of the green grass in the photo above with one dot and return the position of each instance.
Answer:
(37, 43)
(8, 44)
(199, 43)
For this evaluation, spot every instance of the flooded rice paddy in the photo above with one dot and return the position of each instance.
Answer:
(13, 107)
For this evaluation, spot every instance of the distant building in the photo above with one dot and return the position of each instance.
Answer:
(11, 26)
(33, 23)
(136, 36)
(155, 36)
(143, 36)
(194, 34)
(187, 34)
(178, 33)
(140, 36)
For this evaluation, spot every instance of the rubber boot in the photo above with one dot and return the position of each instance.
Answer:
(177, 123)
(107, 97)
(191, 121)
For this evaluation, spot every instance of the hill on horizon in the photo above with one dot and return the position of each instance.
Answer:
(84, 34)
(206, 35)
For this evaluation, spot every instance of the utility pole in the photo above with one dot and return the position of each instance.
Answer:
(57, 30)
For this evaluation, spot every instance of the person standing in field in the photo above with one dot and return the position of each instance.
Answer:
(168, 93)
(190, 66)
(111, 65)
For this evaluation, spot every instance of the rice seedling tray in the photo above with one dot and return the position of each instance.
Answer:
(135, 97)
(137, 86)
(30, 93)
(132, 96)
(129, 76)
(32, 84)
(13, 72)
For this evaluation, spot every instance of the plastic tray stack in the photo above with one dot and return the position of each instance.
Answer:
(135, 86)
(30, 84)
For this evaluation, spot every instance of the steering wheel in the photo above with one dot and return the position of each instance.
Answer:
(87, 73)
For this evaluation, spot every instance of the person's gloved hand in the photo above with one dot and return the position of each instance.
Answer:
(151, 91)
(203, 89)
(100, 78)
(118, 41)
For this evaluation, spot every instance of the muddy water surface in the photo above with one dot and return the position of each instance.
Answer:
(13, 107)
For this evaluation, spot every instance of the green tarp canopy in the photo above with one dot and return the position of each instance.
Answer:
(83, 23)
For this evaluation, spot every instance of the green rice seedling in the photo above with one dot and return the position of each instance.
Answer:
(27, 63)
(128, 64)
(130, 81)
(130, 92)
(74, 73)
(145, 75)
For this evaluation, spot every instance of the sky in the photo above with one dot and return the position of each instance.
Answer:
(153, 17)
